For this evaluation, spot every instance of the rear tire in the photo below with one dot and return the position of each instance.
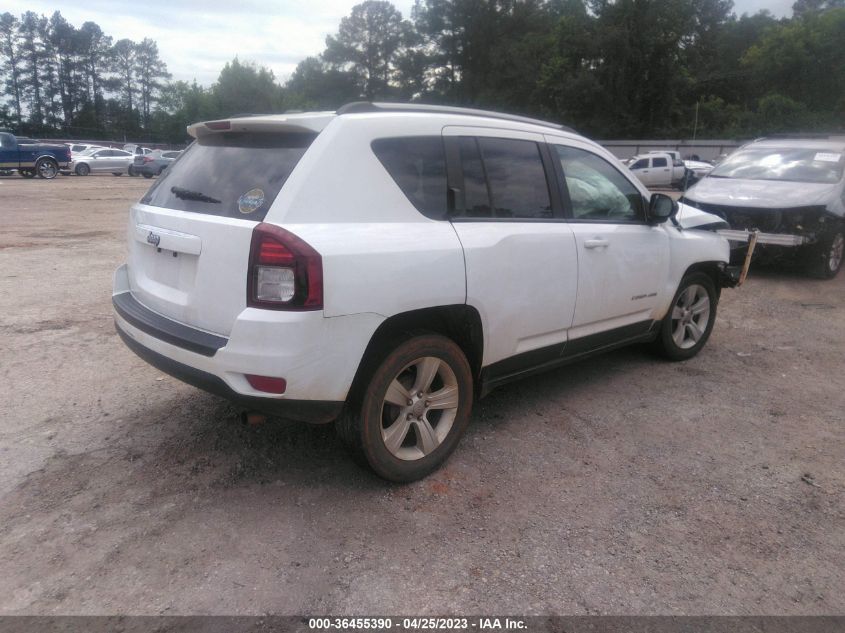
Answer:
(413, 411)
(687, 326)
(131, 171)
(82, 170)
(47, 168)
(147, 175)
(117, 173)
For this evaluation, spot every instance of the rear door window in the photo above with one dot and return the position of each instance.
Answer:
(658, 162)
(476, 193)
(517, 179)
(232, 174)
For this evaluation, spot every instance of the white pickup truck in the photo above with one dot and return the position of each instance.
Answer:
(657, 169)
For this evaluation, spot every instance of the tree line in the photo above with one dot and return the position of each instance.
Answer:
(609, 68)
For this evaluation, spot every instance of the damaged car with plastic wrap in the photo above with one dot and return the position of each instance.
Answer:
(789, 194)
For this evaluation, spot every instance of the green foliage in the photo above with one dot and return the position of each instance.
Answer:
(367, 46)
(610, 68)
(246, 88)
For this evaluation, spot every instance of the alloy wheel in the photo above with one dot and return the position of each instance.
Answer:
(836, 251)
(690, 316)
(419, 408)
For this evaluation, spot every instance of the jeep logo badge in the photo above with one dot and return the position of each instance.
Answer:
(153, 239)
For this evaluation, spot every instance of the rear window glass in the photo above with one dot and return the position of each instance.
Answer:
(418, 166)
(233, 174)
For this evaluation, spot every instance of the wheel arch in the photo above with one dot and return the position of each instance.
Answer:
(712, 269)
(461, 323)
(43, 156)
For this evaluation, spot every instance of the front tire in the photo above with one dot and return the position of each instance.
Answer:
(414, 410)
(825, 261)
(687, 326)
(147, 175)
(47, 168)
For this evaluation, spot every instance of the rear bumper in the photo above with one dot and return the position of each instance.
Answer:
(317, 356)
(313, 411)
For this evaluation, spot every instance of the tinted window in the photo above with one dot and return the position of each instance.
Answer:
(516, 177)
(476, 196)
(640, 164)
(120, 153)
(596, 189)
(234, 174)
(6, 140)
(418, 166)
(659, 162)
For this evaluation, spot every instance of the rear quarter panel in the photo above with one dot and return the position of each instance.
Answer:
(379, 253)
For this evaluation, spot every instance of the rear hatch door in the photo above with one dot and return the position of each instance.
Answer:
(189, 236)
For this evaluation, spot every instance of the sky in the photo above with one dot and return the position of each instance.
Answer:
(197, 37)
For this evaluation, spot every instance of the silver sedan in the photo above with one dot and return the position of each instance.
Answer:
(103, 160)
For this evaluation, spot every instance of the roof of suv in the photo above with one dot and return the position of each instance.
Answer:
(316, 121)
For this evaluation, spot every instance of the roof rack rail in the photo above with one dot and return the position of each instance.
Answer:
(358, 107)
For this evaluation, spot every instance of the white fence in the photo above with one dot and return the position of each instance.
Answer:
(704, 149)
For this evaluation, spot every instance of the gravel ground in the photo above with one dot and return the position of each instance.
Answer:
(622, 485)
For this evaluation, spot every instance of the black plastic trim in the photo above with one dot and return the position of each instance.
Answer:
(559, 354)
(359, 107)
(165, 329)
(313, 411)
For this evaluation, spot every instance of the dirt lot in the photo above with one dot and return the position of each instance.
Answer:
(622, 485)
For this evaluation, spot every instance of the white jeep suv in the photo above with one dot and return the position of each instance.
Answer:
(387, 264)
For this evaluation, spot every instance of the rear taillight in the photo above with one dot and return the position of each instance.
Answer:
(284, 272)
(148, 159)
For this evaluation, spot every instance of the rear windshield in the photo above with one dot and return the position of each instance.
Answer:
(789, 164)
(233, 174)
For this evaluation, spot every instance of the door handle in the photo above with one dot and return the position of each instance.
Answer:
(596, 243)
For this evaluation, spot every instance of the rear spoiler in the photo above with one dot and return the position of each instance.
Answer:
(270, 123)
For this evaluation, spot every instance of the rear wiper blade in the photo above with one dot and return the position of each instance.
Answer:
(187, 194)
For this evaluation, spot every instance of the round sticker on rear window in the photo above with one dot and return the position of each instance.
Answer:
(251, 201)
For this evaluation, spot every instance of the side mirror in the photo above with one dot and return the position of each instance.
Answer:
(660, 208)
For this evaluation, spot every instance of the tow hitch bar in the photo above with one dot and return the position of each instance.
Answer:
(734, 276)
(752, 242)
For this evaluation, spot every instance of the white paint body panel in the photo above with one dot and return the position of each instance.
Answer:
(621, 278)
(522, 277)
